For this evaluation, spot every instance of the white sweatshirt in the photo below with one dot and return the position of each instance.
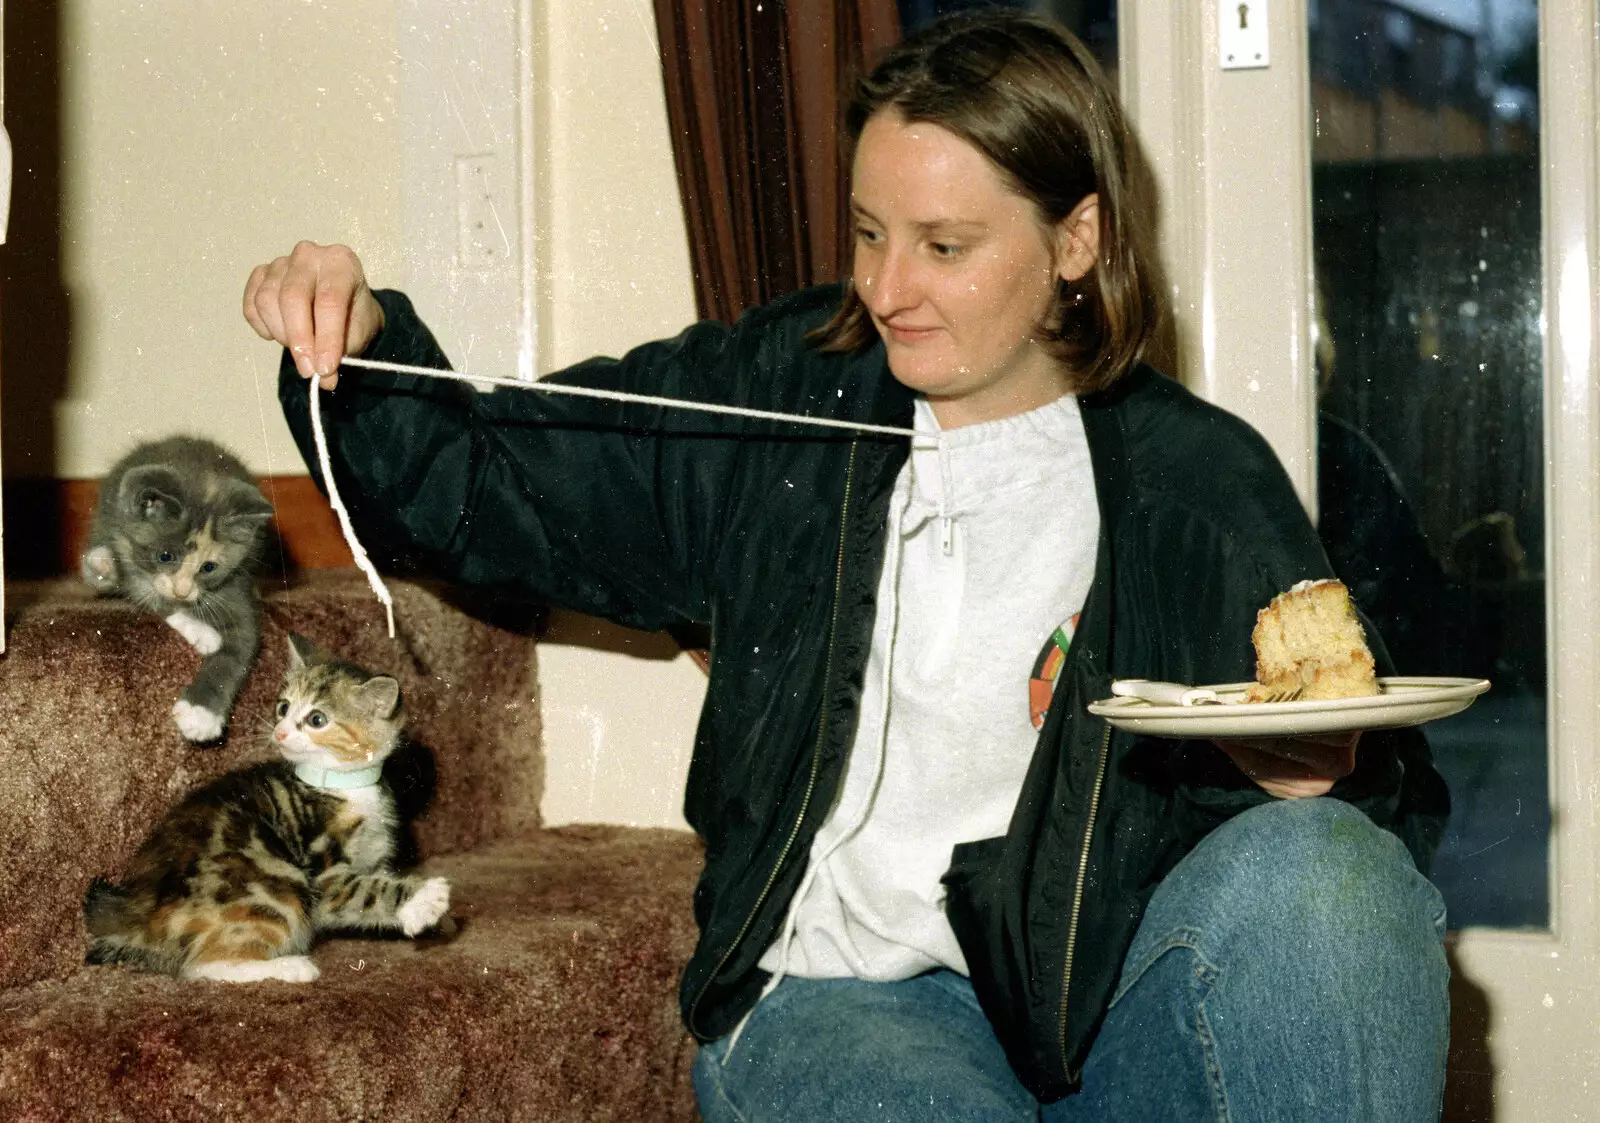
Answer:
(991, 550)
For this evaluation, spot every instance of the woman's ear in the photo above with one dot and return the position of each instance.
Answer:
(1078, 239)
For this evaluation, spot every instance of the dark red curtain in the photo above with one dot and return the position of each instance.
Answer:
(754, 94)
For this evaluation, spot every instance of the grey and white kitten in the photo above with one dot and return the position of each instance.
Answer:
(239, 878)
(178, 531)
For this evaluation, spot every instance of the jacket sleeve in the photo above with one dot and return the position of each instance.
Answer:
(571, 500)
(1258, 546)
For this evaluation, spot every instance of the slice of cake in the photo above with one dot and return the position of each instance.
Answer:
(1309, 639)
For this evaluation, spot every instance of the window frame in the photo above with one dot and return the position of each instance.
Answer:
(1231, 153)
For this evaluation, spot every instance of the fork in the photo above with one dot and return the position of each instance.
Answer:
(1282, 694)
(1178, 694)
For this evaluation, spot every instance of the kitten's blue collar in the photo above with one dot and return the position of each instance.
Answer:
(338, 780)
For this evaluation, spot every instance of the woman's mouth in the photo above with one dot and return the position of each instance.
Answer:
(907, 333)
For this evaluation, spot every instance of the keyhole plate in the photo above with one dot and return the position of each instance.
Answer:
(1242, 34)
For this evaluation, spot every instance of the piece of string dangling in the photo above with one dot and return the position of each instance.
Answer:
(379, 589)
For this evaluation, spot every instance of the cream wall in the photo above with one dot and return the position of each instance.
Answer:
(199, 139)
(619, 707)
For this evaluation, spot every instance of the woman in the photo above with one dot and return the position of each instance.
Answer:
(935, 886)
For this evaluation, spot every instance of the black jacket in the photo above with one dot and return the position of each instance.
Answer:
(773, 534)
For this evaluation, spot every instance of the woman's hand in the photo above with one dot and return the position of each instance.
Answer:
(315, 301)
(1294, 767)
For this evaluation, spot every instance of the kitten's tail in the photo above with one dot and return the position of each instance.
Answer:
(108, 951)
(105, 907)
(115, 932)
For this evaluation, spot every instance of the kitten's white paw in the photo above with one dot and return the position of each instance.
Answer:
(286, 968)
(99, 567)
(197, 723)
(201, 636)
(293, 969)
(425, 907)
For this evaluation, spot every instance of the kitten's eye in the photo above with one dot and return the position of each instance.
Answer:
(208, 567)
(283, 710)
(316, 719)
(164, 557)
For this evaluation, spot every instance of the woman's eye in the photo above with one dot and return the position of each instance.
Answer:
(316, 719)
(164, 557)
(945, 249)
(283, 710)
(865, 235)
(208, 567)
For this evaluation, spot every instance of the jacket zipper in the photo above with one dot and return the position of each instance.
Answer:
(1077, 899)
(816, 752)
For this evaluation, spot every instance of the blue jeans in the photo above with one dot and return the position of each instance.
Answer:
(1289, 968)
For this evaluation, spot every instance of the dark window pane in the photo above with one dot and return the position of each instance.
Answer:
(1431, 487)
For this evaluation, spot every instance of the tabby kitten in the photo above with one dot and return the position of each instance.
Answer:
(178, 531)
(239, 878)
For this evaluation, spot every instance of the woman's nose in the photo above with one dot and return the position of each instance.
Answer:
(886, 285)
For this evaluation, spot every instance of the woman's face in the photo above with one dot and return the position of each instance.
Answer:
(957, 271)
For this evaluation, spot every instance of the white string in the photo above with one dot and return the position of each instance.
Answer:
(365, 563)
(640, 399)
(379, 589)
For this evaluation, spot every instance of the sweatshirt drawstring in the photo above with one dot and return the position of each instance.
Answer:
(947, 521)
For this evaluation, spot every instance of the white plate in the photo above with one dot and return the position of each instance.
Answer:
(1404, 701)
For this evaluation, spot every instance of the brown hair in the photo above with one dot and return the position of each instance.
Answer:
(1029, 96)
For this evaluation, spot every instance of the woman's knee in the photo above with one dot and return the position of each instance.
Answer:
(1303, 912)
(1317, 873)
(1304, 943)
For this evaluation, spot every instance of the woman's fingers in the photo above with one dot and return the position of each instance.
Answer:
(295, 293)
(1294, 767)
(315, 302)
(261, 299)
(252, 290)
(1280, 776)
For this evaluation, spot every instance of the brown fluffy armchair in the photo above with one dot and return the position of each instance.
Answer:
(554, 1000)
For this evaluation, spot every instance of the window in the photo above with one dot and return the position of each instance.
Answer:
(1426, 208)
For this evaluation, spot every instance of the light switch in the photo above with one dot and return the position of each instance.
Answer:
(1242, 34)
(482, 212)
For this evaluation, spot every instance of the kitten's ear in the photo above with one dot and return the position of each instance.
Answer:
(151, 492)
(301, 651)
(381, 695)
(247, 500)
(248, 510)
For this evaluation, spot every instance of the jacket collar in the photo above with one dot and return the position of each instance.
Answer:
(1105, 426)
(893, 403)
(1104, 422)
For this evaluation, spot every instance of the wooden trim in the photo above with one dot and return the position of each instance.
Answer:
(307, 526)
(1230, 152)
(48, 522)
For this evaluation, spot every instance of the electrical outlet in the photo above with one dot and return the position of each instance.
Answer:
(483, 213)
